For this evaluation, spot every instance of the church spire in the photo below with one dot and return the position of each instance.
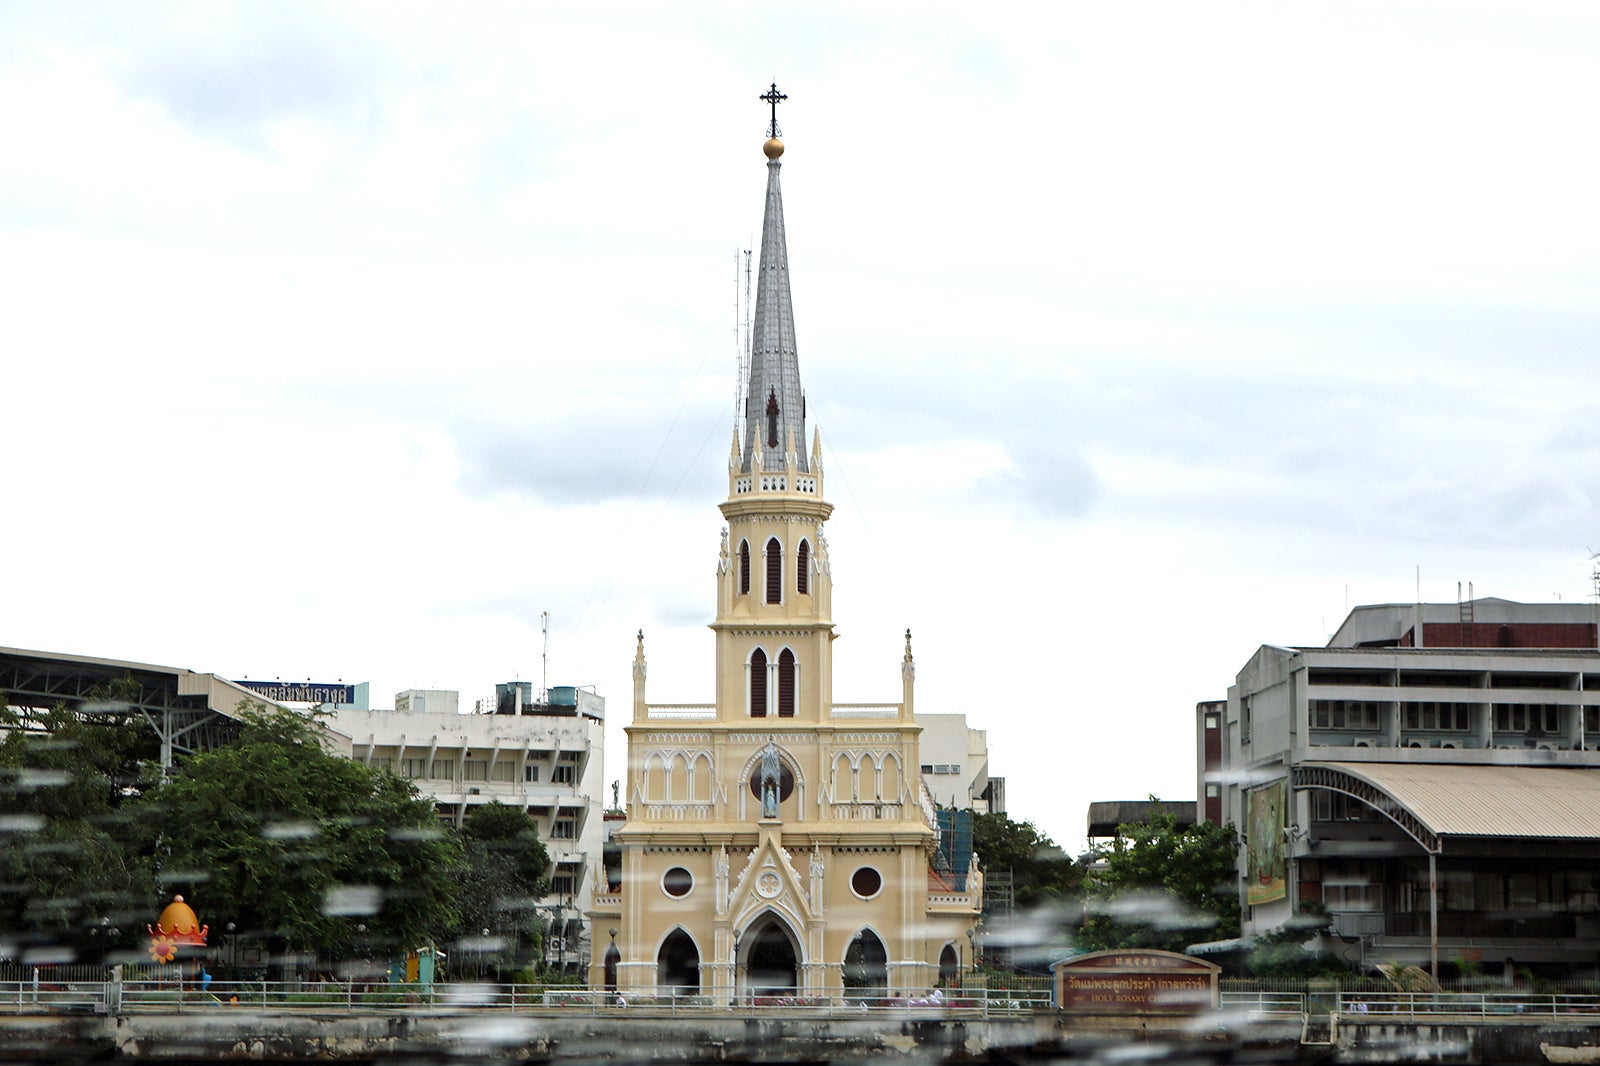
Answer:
(774, 401)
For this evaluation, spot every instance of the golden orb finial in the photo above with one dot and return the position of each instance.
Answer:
(773, 148)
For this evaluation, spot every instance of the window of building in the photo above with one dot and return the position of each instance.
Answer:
(744, 568)
(563, 829)
(1591, 720)
(1352, 885)
(1334, 807)
(774, 571)
(802, 568)
(1456, 717)
(561, 885)
(475, 770)
(1213, 791)
(1345, 714)
(564, 774)
(1527, 717)
(785, 781)
(866, 882)
(786, 684)
(677, 882)
(503, 771)
(758, 684)
(444, 770)
(530, 772)
(414, 768)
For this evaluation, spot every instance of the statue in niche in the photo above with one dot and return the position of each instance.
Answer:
(771, 768)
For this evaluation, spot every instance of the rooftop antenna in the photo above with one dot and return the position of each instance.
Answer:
(1594, 577)
(741, 337)
(544, 676)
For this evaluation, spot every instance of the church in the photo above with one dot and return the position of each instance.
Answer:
(777, 843)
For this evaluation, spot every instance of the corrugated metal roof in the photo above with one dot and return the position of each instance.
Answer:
(1492, 801)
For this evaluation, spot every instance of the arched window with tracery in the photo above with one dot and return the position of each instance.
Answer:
(774, 571)
(786, 684)
(802, 568)
(744, 568)
(758, 684)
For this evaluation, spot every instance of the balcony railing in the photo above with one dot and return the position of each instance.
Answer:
(866, 710)
(681, 711)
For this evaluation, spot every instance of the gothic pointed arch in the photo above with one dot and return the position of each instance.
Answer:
(802, 568)
(744, 567)
(678, 963)
(949, 965)
(758, 684)
(612, 959)
(890, 778)
(866, 964)
(786, 683)
(770, 955)
(774, 554)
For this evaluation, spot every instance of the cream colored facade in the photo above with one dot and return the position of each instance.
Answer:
(723, 898)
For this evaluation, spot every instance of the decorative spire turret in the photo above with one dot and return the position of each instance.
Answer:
(774, 400)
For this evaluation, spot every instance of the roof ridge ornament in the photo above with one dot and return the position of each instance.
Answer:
(773, 97)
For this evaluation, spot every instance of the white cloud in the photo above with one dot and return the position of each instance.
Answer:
(345, 340)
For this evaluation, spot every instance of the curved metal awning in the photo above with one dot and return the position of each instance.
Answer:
(1433, 803)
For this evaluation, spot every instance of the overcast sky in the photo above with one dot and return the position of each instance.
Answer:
(341, 340)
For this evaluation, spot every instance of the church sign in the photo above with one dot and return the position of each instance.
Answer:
(1135, 982)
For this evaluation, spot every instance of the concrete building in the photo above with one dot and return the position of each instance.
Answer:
(545, 757)
(955, 765)
(778, 842)
(1431, 779)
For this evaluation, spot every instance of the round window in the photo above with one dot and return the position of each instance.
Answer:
(785, 782)
(866, 882)
(677, 882)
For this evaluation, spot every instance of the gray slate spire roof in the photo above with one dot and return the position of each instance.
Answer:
(774, 400)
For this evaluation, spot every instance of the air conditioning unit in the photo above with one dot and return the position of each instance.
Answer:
(1548, 745)
(1447, 743)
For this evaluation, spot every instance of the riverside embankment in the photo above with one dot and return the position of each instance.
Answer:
(127, 1023)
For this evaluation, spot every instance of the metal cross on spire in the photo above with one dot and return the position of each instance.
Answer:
(772, 96)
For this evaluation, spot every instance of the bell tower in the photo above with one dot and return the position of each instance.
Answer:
(774, 587)
(773, 833)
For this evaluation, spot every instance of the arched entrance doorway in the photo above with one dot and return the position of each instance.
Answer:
(866, 965)
(949, 966)
(613, 957)
(769, 959)
(678, 965)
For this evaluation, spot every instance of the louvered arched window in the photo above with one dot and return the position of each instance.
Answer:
(774, 571)
(786, 684)
(758, 684)
(802, 568)
(744, 568)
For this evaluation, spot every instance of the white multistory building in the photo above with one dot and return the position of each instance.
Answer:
(955, 765)
(1429, 781)
(542, 756)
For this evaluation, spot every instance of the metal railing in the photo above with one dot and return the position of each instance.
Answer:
(167, 995)
(1467, 1004)
(1265, 1003)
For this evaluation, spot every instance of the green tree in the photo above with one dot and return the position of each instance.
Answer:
(303, 848)
(505, 870)
(1040, 871)
(1159, 885)
(69, 882)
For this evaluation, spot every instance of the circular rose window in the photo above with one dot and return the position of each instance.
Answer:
(677, 882)
(866, 882)
(785, 782)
